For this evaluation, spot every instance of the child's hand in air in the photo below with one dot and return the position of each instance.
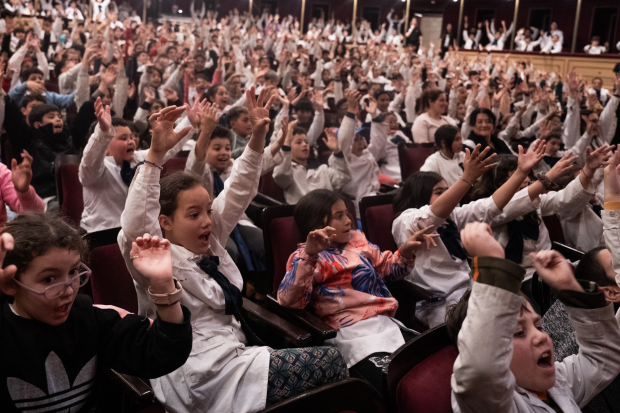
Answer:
(555, 270)
(152, 258)
(478, 241)
(612, 185)
(103, 115)
(528, 160)
(258, 110)
(21, 174)
(195, 112)
(408, 249)
(331, 141)
(475, 163)
(319, 239)
(561, 167)
(164, 137)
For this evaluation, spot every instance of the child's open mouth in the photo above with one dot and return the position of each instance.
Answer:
(63, 309)
(545, 360)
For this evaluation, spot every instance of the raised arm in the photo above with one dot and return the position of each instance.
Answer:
(92, 167)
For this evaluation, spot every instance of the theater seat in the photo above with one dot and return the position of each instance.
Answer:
(111, 281)
(268, 186)
(70, 196)
(411, 157)
(418, 373)
(377, 216)
(173, 165)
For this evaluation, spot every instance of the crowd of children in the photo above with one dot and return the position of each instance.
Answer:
(317, 119)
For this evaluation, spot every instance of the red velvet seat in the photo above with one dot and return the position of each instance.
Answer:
(173, 165)
(70, 196)
(281, 239)
(268, 186)
(111, 281)
(411, 157)
(377, 216)
(418, 374)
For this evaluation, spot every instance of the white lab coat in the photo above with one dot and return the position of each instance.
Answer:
(222, 374)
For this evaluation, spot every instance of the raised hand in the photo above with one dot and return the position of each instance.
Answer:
(475, 163)
(478, 241)
(21, 174)
(598, 158)
(195, 112)
(317, 100)
(561, 166)
(152, 258)
(372, 107)
(289, 133)
(258, 111)
(528, 160)
(331, 141)
(149, 94)
(104, 118)
(164, 137)
(319, 239)
(353, 100)
(612, 185)
(414, 242)
(171, 95)
(109, 76)
(209, 117)
(555, 270)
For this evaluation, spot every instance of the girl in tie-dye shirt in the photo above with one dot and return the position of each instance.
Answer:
(342, 276)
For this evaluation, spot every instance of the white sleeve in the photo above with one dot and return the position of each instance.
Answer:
(316, 128)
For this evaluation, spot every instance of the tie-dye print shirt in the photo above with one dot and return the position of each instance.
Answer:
(344, 285)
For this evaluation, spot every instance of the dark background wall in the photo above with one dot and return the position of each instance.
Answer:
(562, 11)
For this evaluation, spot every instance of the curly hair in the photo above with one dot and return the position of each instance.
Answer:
(36, 233)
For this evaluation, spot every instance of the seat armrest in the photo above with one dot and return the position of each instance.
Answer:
(287, 330)
(304, 319)
(266, 200)
(133, 386)
(411, 290)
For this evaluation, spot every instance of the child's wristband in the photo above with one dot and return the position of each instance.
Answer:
(153, 164)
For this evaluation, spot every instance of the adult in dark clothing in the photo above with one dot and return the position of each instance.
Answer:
(414, 34)
(482, 122)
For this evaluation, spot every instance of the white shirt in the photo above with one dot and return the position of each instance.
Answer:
(600, 49)
(449, 169)
(296, 180)
(103, 189)
(221, 374)
(566, 203)
(363, 169)
(424, 127)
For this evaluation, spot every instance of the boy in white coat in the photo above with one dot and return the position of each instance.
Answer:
(506, 362)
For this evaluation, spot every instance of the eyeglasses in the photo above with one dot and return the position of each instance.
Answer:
(60, 288)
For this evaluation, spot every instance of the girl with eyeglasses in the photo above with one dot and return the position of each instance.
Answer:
(55, 342)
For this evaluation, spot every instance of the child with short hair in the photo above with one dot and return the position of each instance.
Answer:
(56, 342)
(35, 84)
(448, 159)
(388, 131)
(506, 362)
(239, 121)
(109, 163)
(293, 174)
(224, 373)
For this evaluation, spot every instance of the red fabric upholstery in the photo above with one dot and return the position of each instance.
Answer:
(71, 187)
(173, 165)
(269, 187)
(284, 239)
(379, 232)
(111, 282)
(552, 222)
(426, 388)
(412, 157)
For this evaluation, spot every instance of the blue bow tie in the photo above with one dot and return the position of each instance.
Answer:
(232, 295)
